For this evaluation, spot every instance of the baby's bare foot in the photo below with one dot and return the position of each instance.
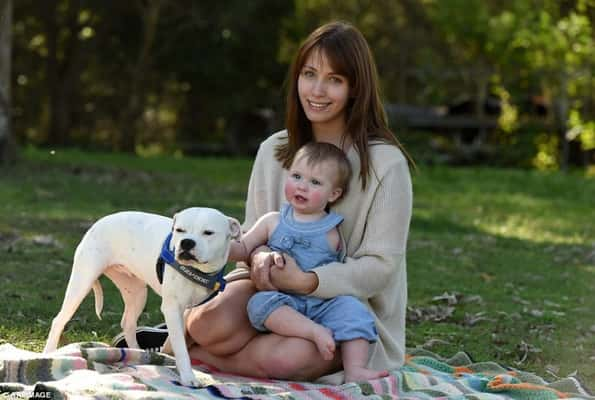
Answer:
(358, 374)
(323, 338)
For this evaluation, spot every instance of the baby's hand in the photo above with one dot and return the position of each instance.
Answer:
(289, 277)
(262, 261)
(278, 259)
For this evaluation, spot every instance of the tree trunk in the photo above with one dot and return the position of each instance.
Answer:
(404, 65)
(61, 75)
(562, 106)
(7, 144)
(482, 81)
(133, 111)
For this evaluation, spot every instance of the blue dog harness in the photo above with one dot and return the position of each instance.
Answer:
(214, 281)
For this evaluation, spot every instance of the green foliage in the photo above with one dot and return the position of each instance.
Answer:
(523, 49)
(165, 76)
(500, 262)
(207, 66)
(585, 131)
(546, 152)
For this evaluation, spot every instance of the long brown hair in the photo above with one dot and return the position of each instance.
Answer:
(349, 55)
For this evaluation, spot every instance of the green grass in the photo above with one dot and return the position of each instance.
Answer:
(513, 250)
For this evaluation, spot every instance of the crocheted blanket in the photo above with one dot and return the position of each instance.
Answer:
(97, 371)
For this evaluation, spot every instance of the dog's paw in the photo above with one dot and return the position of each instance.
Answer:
(189, 380)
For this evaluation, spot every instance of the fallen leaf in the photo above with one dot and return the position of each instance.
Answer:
(552, 368)
(473, 319)
(517, 299)
(433, 342)
(45, 194)
(551, 304)
(451, 298)
(475, 298)
(524, 349)
(536, 313)
(436, 313)
(46, 240)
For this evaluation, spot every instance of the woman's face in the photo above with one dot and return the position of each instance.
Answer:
(323, 94)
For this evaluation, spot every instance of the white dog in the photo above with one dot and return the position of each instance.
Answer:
(126, 247)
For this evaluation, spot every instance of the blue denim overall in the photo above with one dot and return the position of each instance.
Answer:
(307, 242)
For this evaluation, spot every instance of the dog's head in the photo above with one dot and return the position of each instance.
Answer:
(201, 238)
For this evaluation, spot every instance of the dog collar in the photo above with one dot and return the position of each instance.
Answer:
(213, 281)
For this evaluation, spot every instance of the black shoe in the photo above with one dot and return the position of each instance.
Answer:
(148, 338)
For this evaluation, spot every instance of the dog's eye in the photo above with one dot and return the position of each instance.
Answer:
(208, 233)
(180, 230)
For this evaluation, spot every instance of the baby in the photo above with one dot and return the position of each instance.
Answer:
(318, 176)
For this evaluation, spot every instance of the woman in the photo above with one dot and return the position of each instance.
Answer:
(333, 97)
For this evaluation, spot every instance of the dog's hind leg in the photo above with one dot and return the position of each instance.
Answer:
(134, 293)
(85, 272)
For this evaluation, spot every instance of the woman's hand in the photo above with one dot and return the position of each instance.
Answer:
(260, 270)
(286, 275)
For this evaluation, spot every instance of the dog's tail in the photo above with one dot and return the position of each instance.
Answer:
(98, 292)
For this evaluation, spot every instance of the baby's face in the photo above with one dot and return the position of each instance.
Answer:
(309, 188)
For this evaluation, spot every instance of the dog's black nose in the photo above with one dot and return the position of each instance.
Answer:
(187, 244)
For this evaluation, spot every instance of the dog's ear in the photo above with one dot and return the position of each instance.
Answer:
(173, 224)
(235, 228)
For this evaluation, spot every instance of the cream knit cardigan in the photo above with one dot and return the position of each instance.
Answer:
(374, 231)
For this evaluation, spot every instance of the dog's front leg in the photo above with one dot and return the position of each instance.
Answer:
(166, 348)
(175, 326)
